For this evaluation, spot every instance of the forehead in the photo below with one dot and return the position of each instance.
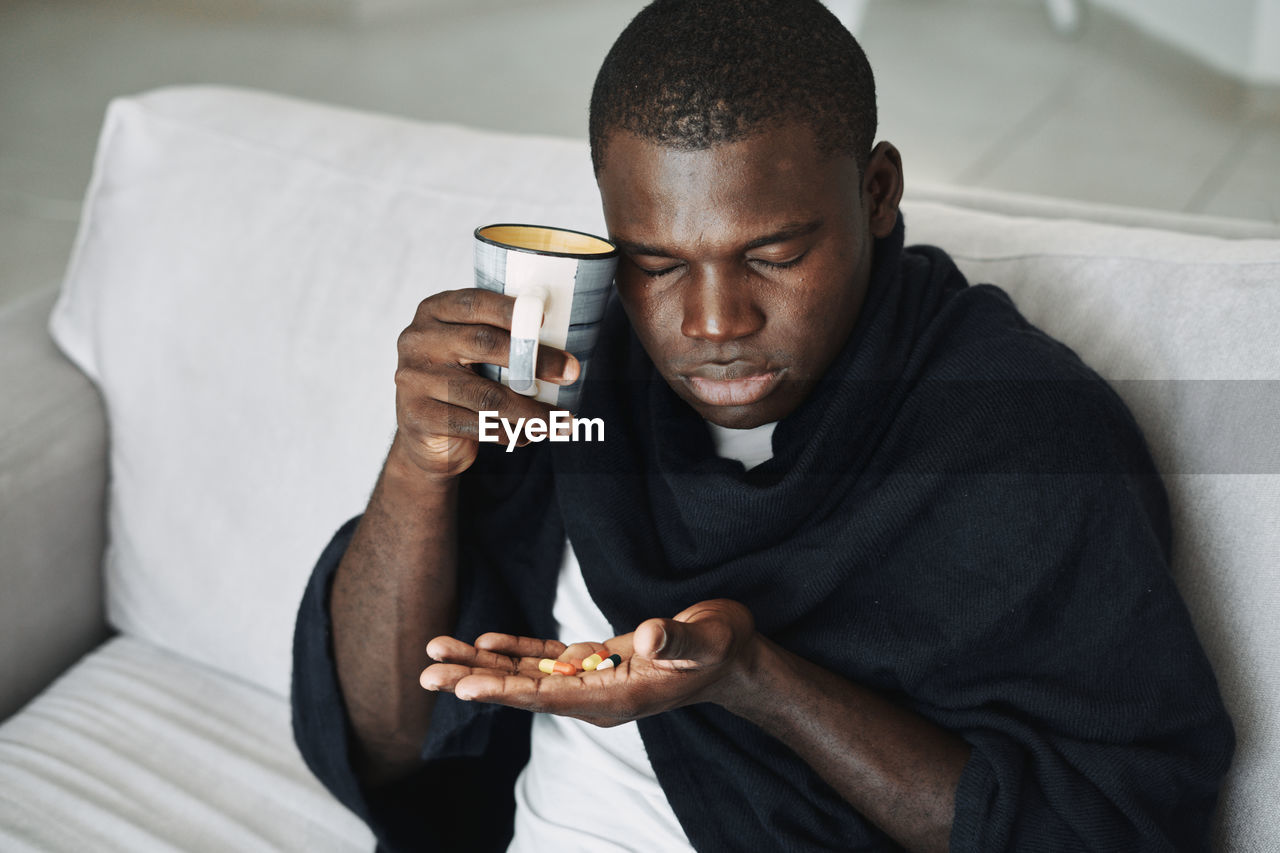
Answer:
(773, 177)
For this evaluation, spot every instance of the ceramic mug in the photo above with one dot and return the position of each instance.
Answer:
(561, 280)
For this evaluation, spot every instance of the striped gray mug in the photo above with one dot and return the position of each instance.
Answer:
(561, 280)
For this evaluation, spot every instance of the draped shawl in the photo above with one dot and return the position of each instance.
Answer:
(961, 516)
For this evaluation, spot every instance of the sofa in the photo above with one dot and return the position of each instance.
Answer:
(210, 394)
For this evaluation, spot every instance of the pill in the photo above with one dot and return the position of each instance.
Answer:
(609, 663)
(591, 662)
(564, 667)
(547, 665)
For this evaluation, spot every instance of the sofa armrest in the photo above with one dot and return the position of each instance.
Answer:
(53, 475)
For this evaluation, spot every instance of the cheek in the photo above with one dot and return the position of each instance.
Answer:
(630, 294)
(822, 311)
(644, 305)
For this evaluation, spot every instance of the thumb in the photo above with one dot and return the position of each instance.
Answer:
(701, 641)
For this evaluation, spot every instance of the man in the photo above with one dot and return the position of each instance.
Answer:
(884, 565)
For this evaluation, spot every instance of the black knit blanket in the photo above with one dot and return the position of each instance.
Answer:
(961, 516)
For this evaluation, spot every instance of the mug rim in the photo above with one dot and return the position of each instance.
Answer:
(581, 256)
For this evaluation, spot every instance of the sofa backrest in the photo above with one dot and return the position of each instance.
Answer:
(1184, 328)
(245, 263)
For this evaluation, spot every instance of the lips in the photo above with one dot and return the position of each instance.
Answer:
(731, 385)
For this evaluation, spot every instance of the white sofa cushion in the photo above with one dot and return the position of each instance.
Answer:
(244, 266)
(246, 261)
(136, 750)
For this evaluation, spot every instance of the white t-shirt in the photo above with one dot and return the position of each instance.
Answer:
(593, 789)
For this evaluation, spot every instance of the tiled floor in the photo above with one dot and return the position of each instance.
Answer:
(975, 92)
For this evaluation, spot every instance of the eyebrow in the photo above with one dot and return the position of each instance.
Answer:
(786, 232)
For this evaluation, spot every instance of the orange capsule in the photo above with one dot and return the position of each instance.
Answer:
(564, 667)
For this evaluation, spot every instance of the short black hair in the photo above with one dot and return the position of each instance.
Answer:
(692, 74)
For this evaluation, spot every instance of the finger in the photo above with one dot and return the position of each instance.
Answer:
(557, 365)
(703, 642)
(512, 691)
(476, 330)
(480, 394)
(451, 650)
(585, 656)
(622, 645)
(491, 345)
(448, 648)
(471, 305)
(480, 659)
(575, 653)
(520, 647)
(447, 344)
(434, 342)
(437, 420)
(442, 401)
(443, 677)
(549, 694)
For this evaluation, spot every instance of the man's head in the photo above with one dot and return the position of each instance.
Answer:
(732, 142)
(691, 74)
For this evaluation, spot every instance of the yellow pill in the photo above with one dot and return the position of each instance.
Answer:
(591, 661)
(547, 665)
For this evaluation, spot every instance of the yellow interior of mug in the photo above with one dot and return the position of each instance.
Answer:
(540, 238)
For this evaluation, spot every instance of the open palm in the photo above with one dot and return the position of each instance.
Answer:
(665, 664)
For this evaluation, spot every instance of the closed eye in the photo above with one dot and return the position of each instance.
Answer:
(779, 265)
(659, 272)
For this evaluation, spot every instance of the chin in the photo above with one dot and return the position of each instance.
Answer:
(733, 418)
(742, 417)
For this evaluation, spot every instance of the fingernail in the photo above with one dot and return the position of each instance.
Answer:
(571, 370)
(662, 640)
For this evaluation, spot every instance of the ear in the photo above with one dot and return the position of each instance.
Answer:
(882, 189)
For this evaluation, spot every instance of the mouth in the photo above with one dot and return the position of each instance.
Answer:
(722, 385)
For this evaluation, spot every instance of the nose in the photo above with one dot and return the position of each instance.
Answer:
(720, 307)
